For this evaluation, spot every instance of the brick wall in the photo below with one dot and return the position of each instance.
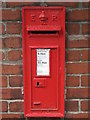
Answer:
(77, 59)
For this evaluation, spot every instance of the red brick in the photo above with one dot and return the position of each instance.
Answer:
(85, 29)
(13, 28)
(15, 81)
(0, 96)
(14, 55)
(12, 42)
(10, 14)
(84, 81)
(0, 2)
(4, 106)
(2, 27)
(18, 4)
(72, 81)
(66, 4)
(13, 116)
(78, 15)
(1, 43)
(85, 55)
(16, 107)
(73, 55)
(77, 44)
(2, 55)
(77, 115)
(85, 105)
(76, 93)
(71, 105)
(1, 14)
(11, 94)
(0, 69)
(77, 68)
(11, 69)
(3, 82)
(14, 4)
(86, 4)
(72, 28)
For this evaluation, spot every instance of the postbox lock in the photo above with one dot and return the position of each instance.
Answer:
(37, 83)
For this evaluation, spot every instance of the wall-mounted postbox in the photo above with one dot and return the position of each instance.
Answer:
(44, 61)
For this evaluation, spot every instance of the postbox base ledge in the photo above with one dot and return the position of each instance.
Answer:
(59, 115)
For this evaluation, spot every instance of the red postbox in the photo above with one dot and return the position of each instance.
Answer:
(44, 61)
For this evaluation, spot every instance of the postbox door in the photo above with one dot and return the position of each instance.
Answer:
(44, 78)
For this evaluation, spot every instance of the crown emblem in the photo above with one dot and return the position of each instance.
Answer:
(43, 17)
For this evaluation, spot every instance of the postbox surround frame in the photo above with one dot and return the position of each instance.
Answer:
(29, 112)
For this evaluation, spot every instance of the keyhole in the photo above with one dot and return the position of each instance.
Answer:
(37, 83)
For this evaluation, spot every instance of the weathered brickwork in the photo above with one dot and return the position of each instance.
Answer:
(77, 97)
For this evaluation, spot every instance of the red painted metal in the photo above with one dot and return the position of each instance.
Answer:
(44, 28)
